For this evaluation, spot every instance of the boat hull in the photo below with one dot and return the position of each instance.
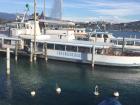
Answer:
(105, 60)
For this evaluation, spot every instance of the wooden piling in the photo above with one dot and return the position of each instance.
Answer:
(34, 56)
(16, 51)
(93, 56)
(31, 52)
(8, 61)
(46, 57)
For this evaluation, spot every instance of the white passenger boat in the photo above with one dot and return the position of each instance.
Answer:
(66, 48)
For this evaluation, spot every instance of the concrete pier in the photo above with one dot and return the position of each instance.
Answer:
(8, 61)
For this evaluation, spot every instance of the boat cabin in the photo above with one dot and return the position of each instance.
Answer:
(100, 37)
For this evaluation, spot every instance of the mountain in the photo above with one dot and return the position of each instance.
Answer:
(132, 26)
(7, 16)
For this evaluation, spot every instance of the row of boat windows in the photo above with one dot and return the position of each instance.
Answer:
(60, 47)
(99, 35)
(67, 48)
(136, 43)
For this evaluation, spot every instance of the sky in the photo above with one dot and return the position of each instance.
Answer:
(82, 10)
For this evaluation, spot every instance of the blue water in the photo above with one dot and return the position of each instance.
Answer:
(77, 82)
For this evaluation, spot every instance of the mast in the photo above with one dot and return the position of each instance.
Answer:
(44, 9)
(34, 30)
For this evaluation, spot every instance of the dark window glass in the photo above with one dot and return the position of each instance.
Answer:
(114, 41)
(84, 49)
(105, 36)
(71, 48)
(120, 42)
(99, 36)
(93, 35)
(50, 46)
(137, 43)
(40, 45)
(59, 47)
(7, 42)
(130, 43)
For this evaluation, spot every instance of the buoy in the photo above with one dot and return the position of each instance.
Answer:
(96, 92)
(33, 93)
(58, 89)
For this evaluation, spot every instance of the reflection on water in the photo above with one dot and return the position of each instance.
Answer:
(77, 82)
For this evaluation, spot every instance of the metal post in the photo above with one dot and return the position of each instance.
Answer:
(16, 52)
(46, 57)
(8, 61)
(93, 56)
(123, 44)
(34, 30)
(31, 52)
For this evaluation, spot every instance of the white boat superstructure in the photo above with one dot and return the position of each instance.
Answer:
(119, 42)
(131, 44)
(100, 37)
(25, 30)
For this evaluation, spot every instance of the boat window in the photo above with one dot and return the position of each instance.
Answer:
(120, 42)
(137, 43)
(59, 47)
(7, 41)
(40, 45)
(93, 35)
(71, 48)
(114, 41)
(105, 36)
(130, 43)
(99, 36)
(50, 46)
(27, 42)
(84, 49)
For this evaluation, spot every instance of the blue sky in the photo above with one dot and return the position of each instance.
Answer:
(83, 10)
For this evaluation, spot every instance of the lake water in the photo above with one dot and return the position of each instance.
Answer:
(77, 82)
